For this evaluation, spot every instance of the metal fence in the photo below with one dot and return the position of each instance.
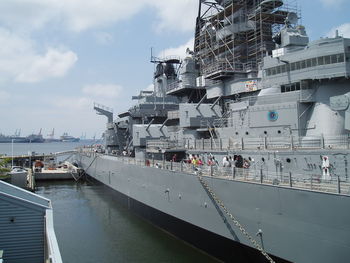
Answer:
(334, 185)
(255, 143)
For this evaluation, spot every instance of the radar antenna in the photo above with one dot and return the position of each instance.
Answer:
(291, 19)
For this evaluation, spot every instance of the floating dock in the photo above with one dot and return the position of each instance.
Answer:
(27, 160)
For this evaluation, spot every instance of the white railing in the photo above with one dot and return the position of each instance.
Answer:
(255, 143)
(52, 251)
(315, 182)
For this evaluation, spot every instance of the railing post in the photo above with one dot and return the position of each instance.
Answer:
(338, 184)
(171, 165)
(211, 143)
(202, 143)
(322, 142)
(265, 143)
(291, 142)
(261, 176)
(211, 170)
(152, 160)
(233, 172)
(182, 166)
(220, 143)
(290, 180)
(242, 143)
(311, 179)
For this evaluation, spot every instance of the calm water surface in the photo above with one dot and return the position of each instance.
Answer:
(91, 227)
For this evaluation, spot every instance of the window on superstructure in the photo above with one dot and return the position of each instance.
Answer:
(312, 62)
(288, 67)
(320, 61)
(278, 70)
(340, 58)
(334, 59)
(292, 66)
(327, 60)
(309, 63)
(290, 87)
(283, 69)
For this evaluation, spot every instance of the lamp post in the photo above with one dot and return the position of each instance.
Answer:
(12, 151)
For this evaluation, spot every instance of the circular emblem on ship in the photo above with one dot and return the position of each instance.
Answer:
(272, 116)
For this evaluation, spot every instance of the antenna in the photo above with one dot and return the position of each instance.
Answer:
(292, 19)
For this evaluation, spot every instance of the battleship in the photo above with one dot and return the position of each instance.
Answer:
(242, 148)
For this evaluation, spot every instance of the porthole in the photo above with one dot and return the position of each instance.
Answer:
(263, 159)
(236, 133)
(247, 133)
(265, 132)
(288, 160)
(279, 132)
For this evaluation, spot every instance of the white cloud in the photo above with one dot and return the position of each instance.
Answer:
(79, 15)
(103, 90)
(176, 15)
(177, 51)
(344, 30)
(20, 60)
(54, 63)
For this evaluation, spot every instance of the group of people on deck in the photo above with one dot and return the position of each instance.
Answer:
(235, 161)
(227, 161)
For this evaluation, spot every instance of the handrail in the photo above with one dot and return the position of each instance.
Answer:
(254, 143)
(314, 182)
(52, 250)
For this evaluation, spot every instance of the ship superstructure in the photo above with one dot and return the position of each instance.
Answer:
(267, 113)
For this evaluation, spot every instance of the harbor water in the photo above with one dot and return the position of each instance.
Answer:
(92, 227)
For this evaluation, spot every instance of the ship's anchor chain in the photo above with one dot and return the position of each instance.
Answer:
(235, 221)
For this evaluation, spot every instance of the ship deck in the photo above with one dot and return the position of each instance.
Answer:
(333, 185)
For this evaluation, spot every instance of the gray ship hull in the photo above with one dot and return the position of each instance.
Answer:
(296, 225)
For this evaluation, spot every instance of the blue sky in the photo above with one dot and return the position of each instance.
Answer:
(59, 56)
